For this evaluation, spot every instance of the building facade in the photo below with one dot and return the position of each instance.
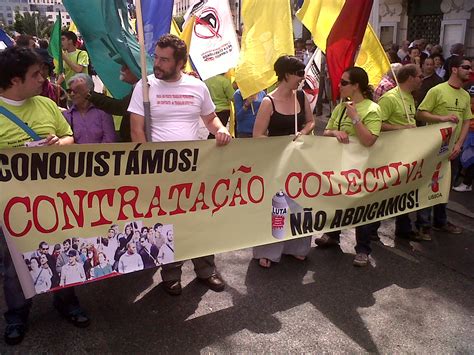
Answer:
(443, 22)
(7, 10)
(47, 8)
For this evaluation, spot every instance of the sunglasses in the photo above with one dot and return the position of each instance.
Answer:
(299, 73)
(465, 67)
(344, 82)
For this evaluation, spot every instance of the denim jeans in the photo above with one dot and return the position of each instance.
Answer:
(18, 307)
(363, 234)
(440, 218)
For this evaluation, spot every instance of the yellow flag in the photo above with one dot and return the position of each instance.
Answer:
(372, 57)
(318, 16)
(268, 34)
(174, 29)
(186, 36)
(73, 28)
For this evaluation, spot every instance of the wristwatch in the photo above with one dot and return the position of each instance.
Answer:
(355, 120)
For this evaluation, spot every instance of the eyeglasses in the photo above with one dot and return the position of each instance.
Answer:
(465, 67)
(45, 249)
(299, 73)
(344, 82)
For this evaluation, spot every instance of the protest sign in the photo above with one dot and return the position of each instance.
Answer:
(191, 199)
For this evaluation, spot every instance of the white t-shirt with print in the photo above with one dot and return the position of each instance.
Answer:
(176, 107)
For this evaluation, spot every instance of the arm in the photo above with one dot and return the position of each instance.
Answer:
(394, 127)
(426, 116)
(109, 104)
(137, 128)
(365, 136)
(309, 126)
(263, 119)
(74, 66)
(214, 125)
(462, 137)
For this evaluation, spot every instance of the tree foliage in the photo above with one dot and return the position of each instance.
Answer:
(32, 24)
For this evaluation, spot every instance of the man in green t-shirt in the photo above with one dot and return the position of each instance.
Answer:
(447, 102)
(397, 108)
(222, 95)
(75, 60)
(19, 87)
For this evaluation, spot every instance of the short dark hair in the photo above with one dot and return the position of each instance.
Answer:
(178, 45)
(41, 244)
(70, 35)
(157, 225)
(67, 241)
(412, 48)
(406, 71)
(23, 41)
(43, 43)
(456, 62)
(287, 64)
(437, 55)
(18, 61)
(359, 76)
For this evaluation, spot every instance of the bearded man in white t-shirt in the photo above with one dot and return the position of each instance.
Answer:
(177, 102)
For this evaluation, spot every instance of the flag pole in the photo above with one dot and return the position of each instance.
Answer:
(146, 99)
(296, 116)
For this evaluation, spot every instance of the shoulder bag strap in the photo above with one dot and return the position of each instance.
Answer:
(12, 117)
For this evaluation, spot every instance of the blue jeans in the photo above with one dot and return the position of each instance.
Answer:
(18, 307)
(440, 218)
(363, 234)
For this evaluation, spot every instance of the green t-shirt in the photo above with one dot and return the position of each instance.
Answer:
(445, 100)
(79, 57)
(392, 110)
(369, 113)
(222, 92)
(40, 114)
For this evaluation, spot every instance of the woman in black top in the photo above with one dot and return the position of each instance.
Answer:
(276, 117)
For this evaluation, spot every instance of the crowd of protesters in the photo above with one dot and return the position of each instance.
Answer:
(72, 112)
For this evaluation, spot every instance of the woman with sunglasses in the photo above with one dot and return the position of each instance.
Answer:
(276, 117)
(357, 116)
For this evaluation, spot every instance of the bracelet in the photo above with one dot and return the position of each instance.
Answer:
(356, 121)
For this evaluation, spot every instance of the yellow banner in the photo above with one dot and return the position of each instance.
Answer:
(188, 199)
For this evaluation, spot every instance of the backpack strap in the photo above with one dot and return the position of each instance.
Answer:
(15, 119)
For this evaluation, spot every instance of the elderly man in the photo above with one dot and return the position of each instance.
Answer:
(88, 123)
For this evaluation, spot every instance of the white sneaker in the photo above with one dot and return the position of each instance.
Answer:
(462, 188)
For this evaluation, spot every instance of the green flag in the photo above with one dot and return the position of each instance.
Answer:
(54, 48)
(109, 40)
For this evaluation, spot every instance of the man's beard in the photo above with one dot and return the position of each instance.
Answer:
(164, 75)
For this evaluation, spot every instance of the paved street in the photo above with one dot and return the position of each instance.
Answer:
(414, 298)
